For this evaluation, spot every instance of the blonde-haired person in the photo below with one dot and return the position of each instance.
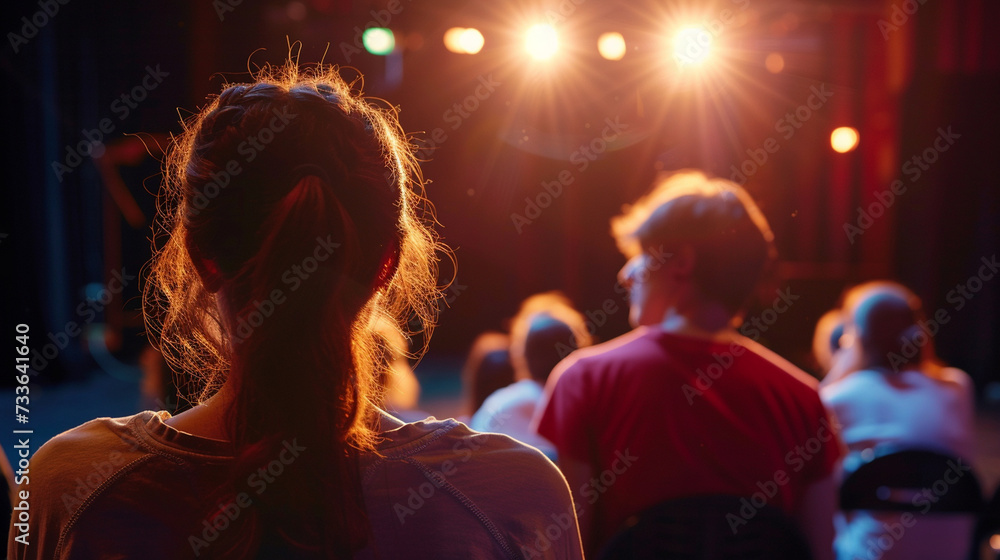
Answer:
(544, 331)
(295, 219)
(684, 405)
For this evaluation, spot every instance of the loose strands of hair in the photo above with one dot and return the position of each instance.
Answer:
(309, 370)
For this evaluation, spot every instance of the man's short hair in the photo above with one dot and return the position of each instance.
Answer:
(733, 243)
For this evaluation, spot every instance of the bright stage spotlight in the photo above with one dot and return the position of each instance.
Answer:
(541, 41)
(464, 40)
(692, 46)
(378, 40)
(611, 45)
(844, 139)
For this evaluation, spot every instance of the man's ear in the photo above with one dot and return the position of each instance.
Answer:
(208, 270)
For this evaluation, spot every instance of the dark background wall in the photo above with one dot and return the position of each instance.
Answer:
(517, 126)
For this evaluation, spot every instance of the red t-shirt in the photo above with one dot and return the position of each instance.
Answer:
(661, 416)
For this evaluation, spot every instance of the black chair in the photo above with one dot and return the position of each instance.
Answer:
(701, 528)
(988, 531)
(893, 478)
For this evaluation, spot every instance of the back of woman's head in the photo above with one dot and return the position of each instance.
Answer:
(886, 318)
(295, 221)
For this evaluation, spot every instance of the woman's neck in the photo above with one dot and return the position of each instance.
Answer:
(207, 419)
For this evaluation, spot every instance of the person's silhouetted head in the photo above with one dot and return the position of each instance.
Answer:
(487, 368)
(295, 219)
(544, 331)
(884, 320)
(692, 238)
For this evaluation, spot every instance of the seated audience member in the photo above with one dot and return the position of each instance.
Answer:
(268, 286)
(826, 340)
(545, 330)
(487, 369)
(684, 405)
(895, 391)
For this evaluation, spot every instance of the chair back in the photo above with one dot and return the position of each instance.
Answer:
(988, 530)
(890, 478)
(710, 527)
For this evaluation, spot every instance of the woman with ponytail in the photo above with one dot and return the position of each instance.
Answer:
(295, 230)
(891, 390)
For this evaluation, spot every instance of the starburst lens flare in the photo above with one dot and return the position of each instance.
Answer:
(692, 46)
(541, 41)
(844, 139)
(611, 46)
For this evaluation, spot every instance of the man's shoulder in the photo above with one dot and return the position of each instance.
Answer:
(634, 345)
(778, 365)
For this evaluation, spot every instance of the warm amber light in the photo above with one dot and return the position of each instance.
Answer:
(692, 45)
(541, 41)
(611, 45)
(844, 139)
(774, 63)
(463, 40)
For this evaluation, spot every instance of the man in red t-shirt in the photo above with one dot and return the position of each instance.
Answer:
(685, 405)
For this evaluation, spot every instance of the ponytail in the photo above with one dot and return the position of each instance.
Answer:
(316, 239)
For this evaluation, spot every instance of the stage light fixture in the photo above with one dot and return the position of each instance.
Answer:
(471, 40)
(541, 41)
(692, 46)
(844, 139)
(611, 45)
(378, 40)
(463, 40)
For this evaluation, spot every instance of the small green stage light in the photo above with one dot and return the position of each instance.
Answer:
(378, 40)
